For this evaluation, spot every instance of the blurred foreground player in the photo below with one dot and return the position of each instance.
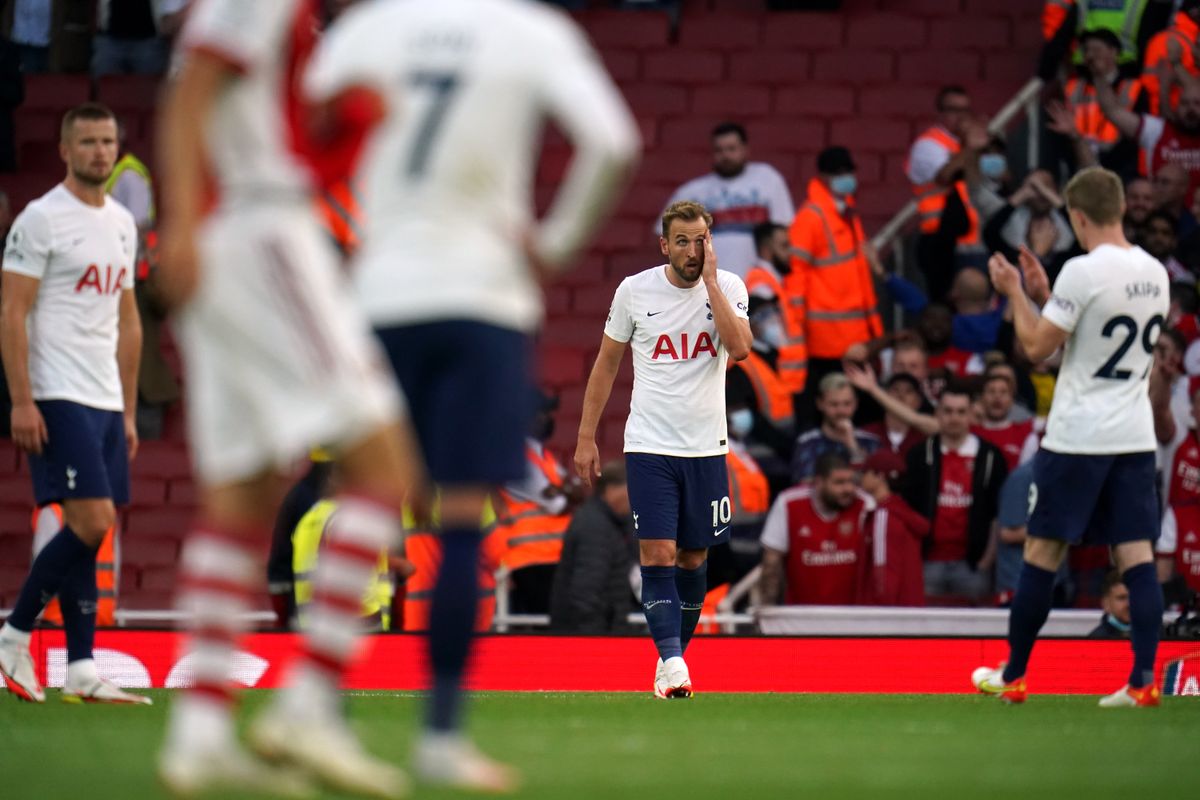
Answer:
(1093, 478)
(450, 262)
(278, 359)
(684, 320)
(71, 338)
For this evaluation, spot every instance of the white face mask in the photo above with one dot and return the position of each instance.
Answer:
(740, 422)
(770, 332)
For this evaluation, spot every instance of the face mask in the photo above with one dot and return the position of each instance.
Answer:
(740, 422)
(843, 185)
(771, 333)
(992, 165)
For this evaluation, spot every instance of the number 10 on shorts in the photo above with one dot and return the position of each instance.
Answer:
(722, 511)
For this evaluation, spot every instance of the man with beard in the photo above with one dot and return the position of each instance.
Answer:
(739, 194)
(813, 544)
(683, 320)
(1139, 202)
(1016, 440)
(1174, 141)
(1157, 237)
(71, 339)
(1172, 193)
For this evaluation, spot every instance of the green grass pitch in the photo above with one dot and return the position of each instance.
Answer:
(731, 746)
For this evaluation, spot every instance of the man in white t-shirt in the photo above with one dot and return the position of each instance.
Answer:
(452, 256)
(740, 194)
(279, 359)
(684, 320)
(1093, 478)
(71, 339)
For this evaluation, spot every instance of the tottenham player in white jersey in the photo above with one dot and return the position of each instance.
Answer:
(684, 321)
(71, 339)
(1093, 479)
(451, 257)
(278, 359)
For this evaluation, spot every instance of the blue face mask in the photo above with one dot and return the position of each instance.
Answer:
(843, 185)
(740, 422)
(993, 165)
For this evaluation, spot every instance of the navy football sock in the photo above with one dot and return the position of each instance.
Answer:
(1145, 618)
(660, 601)
(78, 598)
(46, 575)
(1030, 607)
(451, 623)
(692, 585)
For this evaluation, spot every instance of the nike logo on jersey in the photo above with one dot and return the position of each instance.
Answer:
(652, 313)
(718, 533)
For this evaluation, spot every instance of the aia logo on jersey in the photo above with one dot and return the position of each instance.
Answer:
(666, 347)
(109, 281)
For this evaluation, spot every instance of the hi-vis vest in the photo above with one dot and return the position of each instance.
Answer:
(531, 535)
(306, 545)
(130, 162)
(775, 401)
(793, 353)
(46, 522)
(423, 549)
(1090, 121)
(829, 262)
(748, 489)
(1183, 33)
(931, 197)
(1122, 17)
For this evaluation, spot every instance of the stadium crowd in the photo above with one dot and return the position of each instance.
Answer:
(874, 458)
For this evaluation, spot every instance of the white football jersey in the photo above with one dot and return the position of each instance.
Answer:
(1114, 302)
(84, 257)
(447, 178)
(678, 404)
(252, 133)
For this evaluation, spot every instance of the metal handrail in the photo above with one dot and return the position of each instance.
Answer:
(1025, 100)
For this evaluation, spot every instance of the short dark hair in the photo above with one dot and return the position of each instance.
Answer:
(725, 128)
(1111, 581)
(611, 474)
(946, 91)
(1186, 295)
(1163, 215)
(829, 462)
(1177, 338)
(85, 111)
(958, 388)
(763, 232)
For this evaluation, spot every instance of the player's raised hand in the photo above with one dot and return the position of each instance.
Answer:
(28, 428)
(587, 460)
(1037, 283)
(179, 270)
(1004, 275)
(708, 272)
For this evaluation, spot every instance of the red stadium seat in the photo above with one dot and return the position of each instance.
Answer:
(643, 30)
(147, 492)
(720, 31)
(163, 521)
(162, 460)
(149, 551)
(785, 68)
(887, 31)
(57, 93)
(125, 93)
(16, 491)
(854, 66)
(696, 67)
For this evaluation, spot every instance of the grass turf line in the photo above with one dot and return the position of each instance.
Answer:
(594, 745)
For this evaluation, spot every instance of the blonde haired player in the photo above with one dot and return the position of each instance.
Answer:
(278, 358)
(1094, 477)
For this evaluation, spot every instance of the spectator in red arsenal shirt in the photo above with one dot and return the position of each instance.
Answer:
(1184, 485)
(813, 546)
(894, 533)
(1178, 548)
(1016, 440)
(954, 480)
(903, 424)
(936, 329)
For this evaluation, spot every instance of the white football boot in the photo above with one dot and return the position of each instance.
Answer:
(450, 760)
(16, 665)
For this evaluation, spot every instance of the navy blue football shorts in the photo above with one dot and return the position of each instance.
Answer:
(1094, 499)
(685, 499)
(469, 391)
(85, 456)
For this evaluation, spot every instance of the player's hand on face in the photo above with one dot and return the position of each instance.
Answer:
(28, 428)
(709, 271)
(131, 436)
(587, 461)
(1004, 275)
(179, 269)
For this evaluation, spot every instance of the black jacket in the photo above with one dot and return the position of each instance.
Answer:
(591, 592)
(923, 479)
